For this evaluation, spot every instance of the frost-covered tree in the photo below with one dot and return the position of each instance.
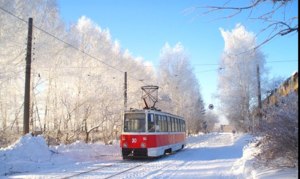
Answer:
(180, 90)
(13, 33)
(77, 74)
(238, 79)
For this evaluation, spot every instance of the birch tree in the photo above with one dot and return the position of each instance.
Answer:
(77, 74)
(180, 90)
(238, 82)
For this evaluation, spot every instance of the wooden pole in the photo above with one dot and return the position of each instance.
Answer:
(27, 79)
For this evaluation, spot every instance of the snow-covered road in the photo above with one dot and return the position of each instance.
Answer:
(215, 155)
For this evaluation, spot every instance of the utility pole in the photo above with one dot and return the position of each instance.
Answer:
(125, 91)
(259, 96)
(27, 79)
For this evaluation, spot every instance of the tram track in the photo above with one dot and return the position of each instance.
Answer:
(156, 170)
(92, 170)
(88, 171)
(124, 171)
(142, 165)
(117, 164)
(149, 162)
(132, 168)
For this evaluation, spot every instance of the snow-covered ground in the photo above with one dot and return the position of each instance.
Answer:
(214, 155)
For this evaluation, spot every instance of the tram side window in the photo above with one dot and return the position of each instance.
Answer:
(181, 125)
(151, 124)
(173, 124)
(160, 123)
(176, 125)
(169, 124)
(157, 122)
(157, 127)
(165, 124)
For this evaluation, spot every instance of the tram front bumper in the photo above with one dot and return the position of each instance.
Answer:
(131, 152)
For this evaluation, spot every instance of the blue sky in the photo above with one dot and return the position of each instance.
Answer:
(143, 27)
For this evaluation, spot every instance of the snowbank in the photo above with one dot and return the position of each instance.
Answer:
(31, 153)
(27, 148)
(249, 167)
(24, 155)
(81, 151)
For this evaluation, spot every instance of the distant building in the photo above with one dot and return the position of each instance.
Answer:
(288, 86)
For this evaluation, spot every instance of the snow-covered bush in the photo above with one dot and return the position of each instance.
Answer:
(279, 129)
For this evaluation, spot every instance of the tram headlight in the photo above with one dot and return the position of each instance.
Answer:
(143, 145)
(125, 145)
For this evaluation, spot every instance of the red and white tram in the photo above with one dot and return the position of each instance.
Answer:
(151, 133)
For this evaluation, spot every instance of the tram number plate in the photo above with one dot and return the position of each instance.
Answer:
(133, 140)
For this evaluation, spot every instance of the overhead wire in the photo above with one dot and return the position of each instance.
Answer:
(95, 58)
(101, 61)
(70, 45)
(210, 70)
(74, 47)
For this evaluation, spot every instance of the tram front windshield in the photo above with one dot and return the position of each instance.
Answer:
(134, 122)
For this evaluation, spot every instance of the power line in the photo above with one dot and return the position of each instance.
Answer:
(205, 64)
(274, 61)
(94, 67)
(281, 61)
(207, 70)
(70, 45)
(211, 70)
(113, 67)
(8, 12)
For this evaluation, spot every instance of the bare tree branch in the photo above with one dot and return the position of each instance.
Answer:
(286, 25)
(234, 8)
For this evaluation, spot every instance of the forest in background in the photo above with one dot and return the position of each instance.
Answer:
(77, 77)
